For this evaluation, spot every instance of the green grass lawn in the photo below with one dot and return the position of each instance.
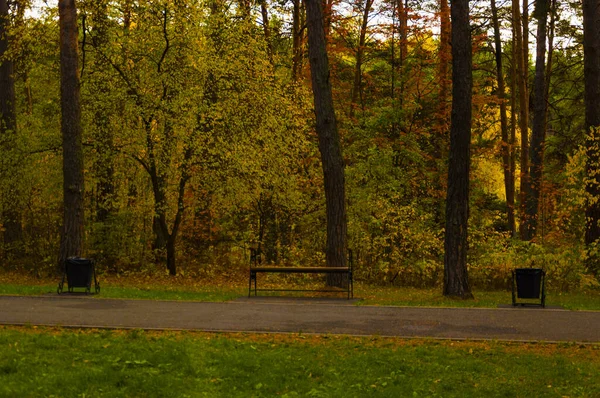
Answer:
(369, 295)
(75, 363)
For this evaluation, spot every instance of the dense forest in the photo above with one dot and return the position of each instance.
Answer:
(198, 138)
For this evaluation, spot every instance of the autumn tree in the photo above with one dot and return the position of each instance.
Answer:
(521, 32)
(507, 144)
(11, 216)
(456, 281)
(538, 133)
(73, 184)
(591, 47)
(357, 86)
(329, 141)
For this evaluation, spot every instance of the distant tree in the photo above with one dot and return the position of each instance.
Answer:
(507, 142)
(329, 140)
(591, 48)
(521, 31)
(11, 217)
(456, 281)
(357, 86)
(538, 133)
(73, 184)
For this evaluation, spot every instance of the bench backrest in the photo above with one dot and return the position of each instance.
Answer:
(256, 258)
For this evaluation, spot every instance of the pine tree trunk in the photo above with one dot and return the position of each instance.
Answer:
(329, 141)
(522, 75)
(538, 132)
(456, 281)
(297, 36)
(73, 185)
(591, 48)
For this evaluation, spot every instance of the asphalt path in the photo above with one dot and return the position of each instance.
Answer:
(326, 316)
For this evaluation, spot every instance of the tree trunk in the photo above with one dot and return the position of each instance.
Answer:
(591, 48)
(507, 145)
(297, 39)
(73, 185)
(357, 86)
(329, 141)
(513, 123)
(267, 29)
(456, 281)
(522, 74)
(11, 216)
(538, 132)
(445, 58)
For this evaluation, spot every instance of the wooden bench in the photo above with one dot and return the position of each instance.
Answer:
(256, 269)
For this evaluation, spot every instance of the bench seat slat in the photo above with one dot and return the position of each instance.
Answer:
(304, 270)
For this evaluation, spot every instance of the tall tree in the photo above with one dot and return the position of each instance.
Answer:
(104, 140)
(521, 32)
(538, 131)
(456, 281)
(11, 216)
(297, 38)
(443, 78)
(329, 140)
(591, 49)
(507, 144)
(357, 91)
(73, 184)
(267, 29)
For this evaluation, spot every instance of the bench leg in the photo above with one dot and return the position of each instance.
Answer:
(252, 278)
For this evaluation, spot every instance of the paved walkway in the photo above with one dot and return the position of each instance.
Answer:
(282, 315)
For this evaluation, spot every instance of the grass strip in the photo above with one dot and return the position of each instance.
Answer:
(75, 363)
(190, 289)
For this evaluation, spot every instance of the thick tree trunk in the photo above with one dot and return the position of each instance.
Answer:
(11, 216)
(73, 185)
(329, 141)
(456, 281)
(591, 48)
(538, 132)
(357, 92)
(507, 144)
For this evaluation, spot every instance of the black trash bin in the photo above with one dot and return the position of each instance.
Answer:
(79, 273)
(529, 283)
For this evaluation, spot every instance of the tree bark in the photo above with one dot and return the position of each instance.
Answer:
(456, 281)
(591, 49)
(522, 75)
(538, 132)
(11, 216)
(297, 39)
(445, 59)
(73, 185)
(329, 141)
(357, 92)
(507, 144)
(267, 29)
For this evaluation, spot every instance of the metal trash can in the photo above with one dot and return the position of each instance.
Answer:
(78, 274)
(529, 283)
